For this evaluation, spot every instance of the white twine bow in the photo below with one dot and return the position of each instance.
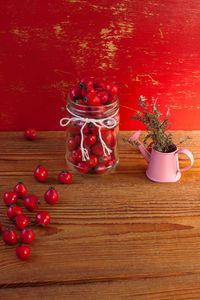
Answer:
(98, 123)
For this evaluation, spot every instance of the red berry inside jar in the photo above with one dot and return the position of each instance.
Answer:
(92, 126)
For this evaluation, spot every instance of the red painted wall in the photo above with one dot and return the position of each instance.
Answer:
(149, 47)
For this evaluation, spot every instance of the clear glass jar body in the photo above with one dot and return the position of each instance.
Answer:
(92, 137)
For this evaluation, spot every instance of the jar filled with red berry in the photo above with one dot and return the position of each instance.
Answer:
(92, 124)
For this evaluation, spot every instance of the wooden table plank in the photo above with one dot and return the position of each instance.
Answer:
(115, 236)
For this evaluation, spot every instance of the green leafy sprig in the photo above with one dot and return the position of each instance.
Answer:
(156, 127)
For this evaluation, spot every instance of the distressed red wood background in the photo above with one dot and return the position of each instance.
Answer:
(149, 47)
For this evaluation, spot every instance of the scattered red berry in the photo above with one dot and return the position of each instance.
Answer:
(20, 221)
(10, 198)
(30, 134)
(23, 251)
(27, 235)
(31, 202)
(20, 190)
(13, 211)
(51, 195)
(65, 177)
(9, 236)
(40, 174)
(42, 218)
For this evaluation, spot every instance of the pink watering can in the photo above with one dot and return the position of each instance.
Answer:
(163, 167)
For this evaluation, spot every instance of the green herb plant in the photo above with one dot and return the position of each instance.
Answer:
(156, 126)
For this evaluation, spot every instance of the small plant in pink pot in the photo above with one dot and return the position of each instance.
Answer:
(162, 157)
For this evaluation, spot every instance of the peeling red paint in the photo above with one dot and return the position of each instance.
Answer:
(149, 47)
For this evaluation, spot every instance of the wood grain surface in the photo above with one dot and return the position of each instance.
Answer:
(118, 236)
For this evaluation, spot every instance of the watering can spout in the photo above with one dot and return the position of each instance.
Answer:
(135, 139)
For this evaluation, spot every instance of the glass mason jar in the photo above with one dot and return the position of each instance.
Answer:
(92, 137)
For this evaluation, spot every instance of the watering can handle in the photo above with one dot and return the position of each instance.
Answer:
(189, 155)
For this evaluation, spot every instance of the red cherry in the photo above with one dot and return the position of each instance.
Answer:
(92, 99)
(20, 221)
(79, 125)
(71, 143)
(51, 195)
(78, 140)
(13, 211)
(111, 100)
(65, 177)
(81, 106)
(75, 93)
(114, 89)
(108, 87)
(90, 139)
(27, 235)
(98, 90)
(92, 162)
(111, 162)
(30, 134)
(70, 159)
(82, 167)
(98, 111)
(42, 218)
(108, 137)
(10, 198)
(74, 127)
(40, 174)
(23, 251)
(31, 202)
(103, 97)
(86, 83)
(76, 155)
(20, 190)
(100, 169)
(97, 149)
(9, 236)
(111, 88)
(150, 147)
(104, 159)
(95, 130)
(98, 83)
(85, 92)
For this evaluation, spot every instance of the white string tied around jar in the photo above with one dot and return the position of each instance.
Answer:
(98, 123)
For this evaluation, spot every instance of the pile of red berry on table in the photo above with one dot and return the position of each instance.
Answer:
(31, 203)
(93, 98)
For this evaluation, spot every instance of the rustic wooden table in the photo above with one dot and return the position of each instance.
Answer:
(118, 236)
